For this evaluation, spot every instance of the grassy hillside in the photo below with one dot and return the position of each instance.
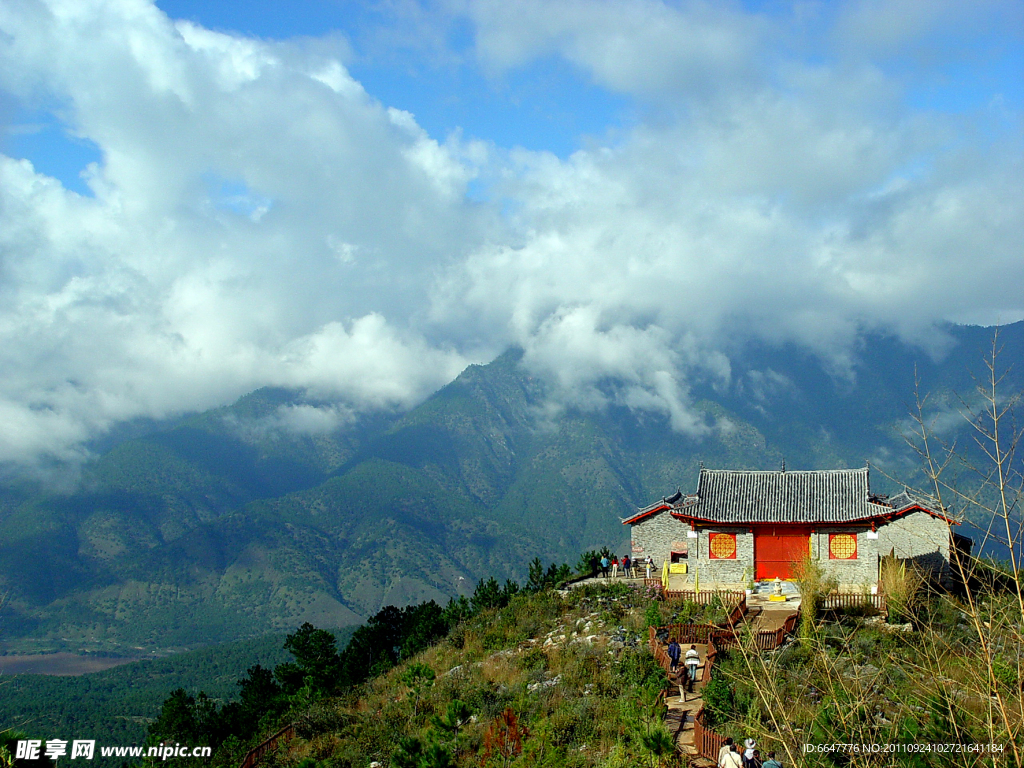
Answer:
(565, 679)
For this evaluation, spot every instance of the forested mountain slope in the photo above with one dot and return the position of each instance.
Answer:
(244, 520)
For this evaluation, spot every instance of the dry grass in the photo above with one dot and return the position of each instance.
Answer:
(573, 698)
(814, 585)
(901, 583)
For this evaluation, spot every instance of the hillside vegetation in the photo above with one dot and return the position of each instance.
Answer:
(539, 677)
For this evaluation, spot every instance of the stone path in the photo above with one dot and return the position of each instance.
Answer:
(768, 615)
(772, 618)
(681, 710)
(679, 717)
(609, 580)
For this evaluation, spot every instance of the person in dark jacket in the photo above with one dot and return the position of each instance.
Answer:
(674, 652)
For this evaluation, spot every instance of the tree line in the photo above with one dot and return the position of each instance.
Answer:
(319, 669)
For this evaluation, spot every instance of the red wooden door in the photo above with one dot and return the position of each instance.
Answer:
(776, 548)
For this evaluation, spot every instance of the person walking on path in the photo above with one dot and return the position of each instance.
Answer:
(650, 565)
(674, 652)
(732, 758)
(604, 566)
(626, 564)
(726, 748)
(615, 567)
(692, 662)
(771, 762)
(748, 753)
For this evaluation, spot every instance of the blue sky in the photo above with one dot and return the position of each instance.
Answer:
(197, 199)
(545, 105)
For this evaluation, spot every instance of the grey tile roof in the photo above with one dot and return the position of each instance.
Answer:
(818, 496)
(902, 500)
(905, 500)
(675, 501)
(809, 496)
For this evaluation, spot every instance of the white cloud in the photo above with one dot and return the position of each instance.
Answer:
(300, 419)
(259, 218)
(923, 29)
(636, 46)
(254, 215)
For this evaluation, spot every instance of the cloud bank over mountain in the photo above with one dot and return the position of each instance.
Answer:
(257, 217)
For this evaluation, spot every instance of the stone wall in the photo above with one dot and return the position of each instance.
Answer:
(852, 575)
(919, 537)
(737, 571)
(653, 536)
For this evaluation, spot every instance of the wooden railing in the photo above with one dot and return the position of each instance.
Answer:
(659, 653)
(706, 596)
(703, 633)
(791, 622)
(769, 639)
(705, 739)
(738, 612)
(688, 633)
(839, 601)
(269, 745)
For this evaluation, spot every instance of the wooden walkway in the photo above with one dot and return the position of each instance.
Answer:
(684, 715)
(682, 710)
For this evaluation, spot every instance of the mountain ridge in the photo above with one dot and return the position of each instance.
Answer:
(227, 525)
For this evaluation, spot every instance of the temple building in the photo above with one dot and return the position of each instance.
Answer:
(743, 526)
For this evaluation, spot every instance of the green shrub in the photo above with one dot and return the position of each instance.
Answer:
(572, 723)
(1005, 674)
(719, 704)
(652, 616)
(581, 666)
(533, 660)
(686, 612)
(493, 640)
(637, 669)
(796, 656)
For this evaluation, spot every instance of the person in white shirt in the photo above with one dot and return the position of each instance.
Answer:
(726, 748)
(748, 753)
(692, 662)
(732, 759)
